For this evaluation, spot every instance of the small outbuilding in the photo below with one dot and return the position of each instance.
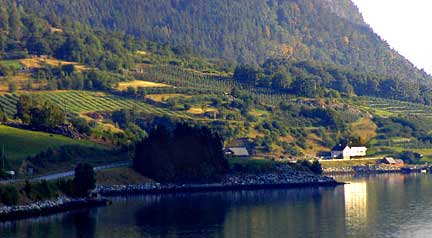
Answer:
(388, 160)
(392, 161)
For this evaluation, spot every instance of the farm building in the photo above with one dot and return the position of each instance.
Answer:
(392, 161)
(345, 152)
(237, 152)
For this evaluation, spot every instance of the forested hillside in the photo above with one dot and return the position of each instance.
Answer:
(247, 31)
(23, 33)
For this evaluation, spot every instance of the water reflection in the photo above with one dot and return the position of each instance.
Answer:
(372, 206)
(356, 201)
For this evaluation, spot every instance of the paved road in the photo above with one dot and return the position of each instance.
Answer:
(69, 173)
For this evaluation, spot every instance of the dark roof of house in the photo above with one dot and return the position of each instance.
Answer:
(339, 147)
(241, 142)
(239, 151)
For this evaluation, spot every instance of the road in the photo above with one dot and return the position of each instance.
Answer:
(68, 173)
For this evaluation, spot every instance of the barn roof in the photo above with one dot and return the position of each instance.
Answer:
(339, 147)
(389, 160)
(239, 151)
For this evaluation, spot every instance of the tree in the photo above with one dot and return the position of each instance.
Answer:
(281, 80)
(81, 125)
(131, 91)
(316, 167)
(9, 195)
(5, 71)
(187, 106)
(46, 116)
(186, 154)
(24, 105)
(3, 115)
(246, 74)
(12, 87)
(39, 114)
(3, 158)
(84, 180)
(410, 157)
(29, 85)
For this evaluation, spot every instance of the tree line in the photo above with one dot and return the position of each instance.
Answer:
(312, 79)
(183, 154)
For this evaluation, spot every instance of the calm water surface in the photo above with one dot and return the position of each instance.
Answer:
(374, 206)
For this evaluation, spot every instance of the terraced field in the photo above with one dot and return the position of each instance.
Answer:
(84, 101)
(387, 107)
(8, 103)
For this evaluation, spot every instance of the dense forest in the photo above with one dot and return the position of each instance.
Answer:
(25, 34)
(246, 31)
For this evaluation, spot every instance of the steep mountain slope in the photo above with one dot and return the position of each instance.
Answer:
(245, 30)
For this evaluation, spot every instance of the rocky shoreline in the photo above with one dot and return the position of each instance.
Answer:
(231, 182)
(61, 204)
(373, 169)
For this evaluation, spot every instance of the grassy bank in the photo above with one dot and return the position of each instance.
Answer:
(19, 144)
(120, 176)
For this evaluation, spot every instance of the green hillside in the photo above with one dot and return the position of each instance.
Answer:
(290, 79)
(19, 144)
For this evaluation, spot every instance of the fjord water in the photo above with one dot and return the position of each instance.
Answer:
(374, 206)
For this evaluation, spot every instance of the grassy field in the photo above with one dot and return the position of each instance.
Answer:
(364, 128)
(120, 176)
(11, 63)
(19, 144)
(143, 84)
(164, 97)
(39, 62)
(198, 111)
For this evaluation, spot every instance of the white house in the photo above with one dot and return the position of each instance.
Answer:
(346, 152)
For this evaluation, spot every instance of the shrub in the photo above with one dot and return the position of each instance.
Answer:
(9, 195)
(314, 167)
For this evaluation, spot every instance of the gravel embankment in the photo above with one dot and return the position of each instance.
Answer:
(365, 169)
(231, 182)
(58, 205)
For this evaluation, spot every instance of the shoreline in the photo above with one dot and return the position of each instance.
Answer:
(230, 183)
(116, 190)
(373, 170)
(49, 207)
(363, 173)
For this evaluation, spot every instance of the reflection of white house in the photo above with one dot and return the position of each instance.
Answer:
(356, 204)
(346, 152)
